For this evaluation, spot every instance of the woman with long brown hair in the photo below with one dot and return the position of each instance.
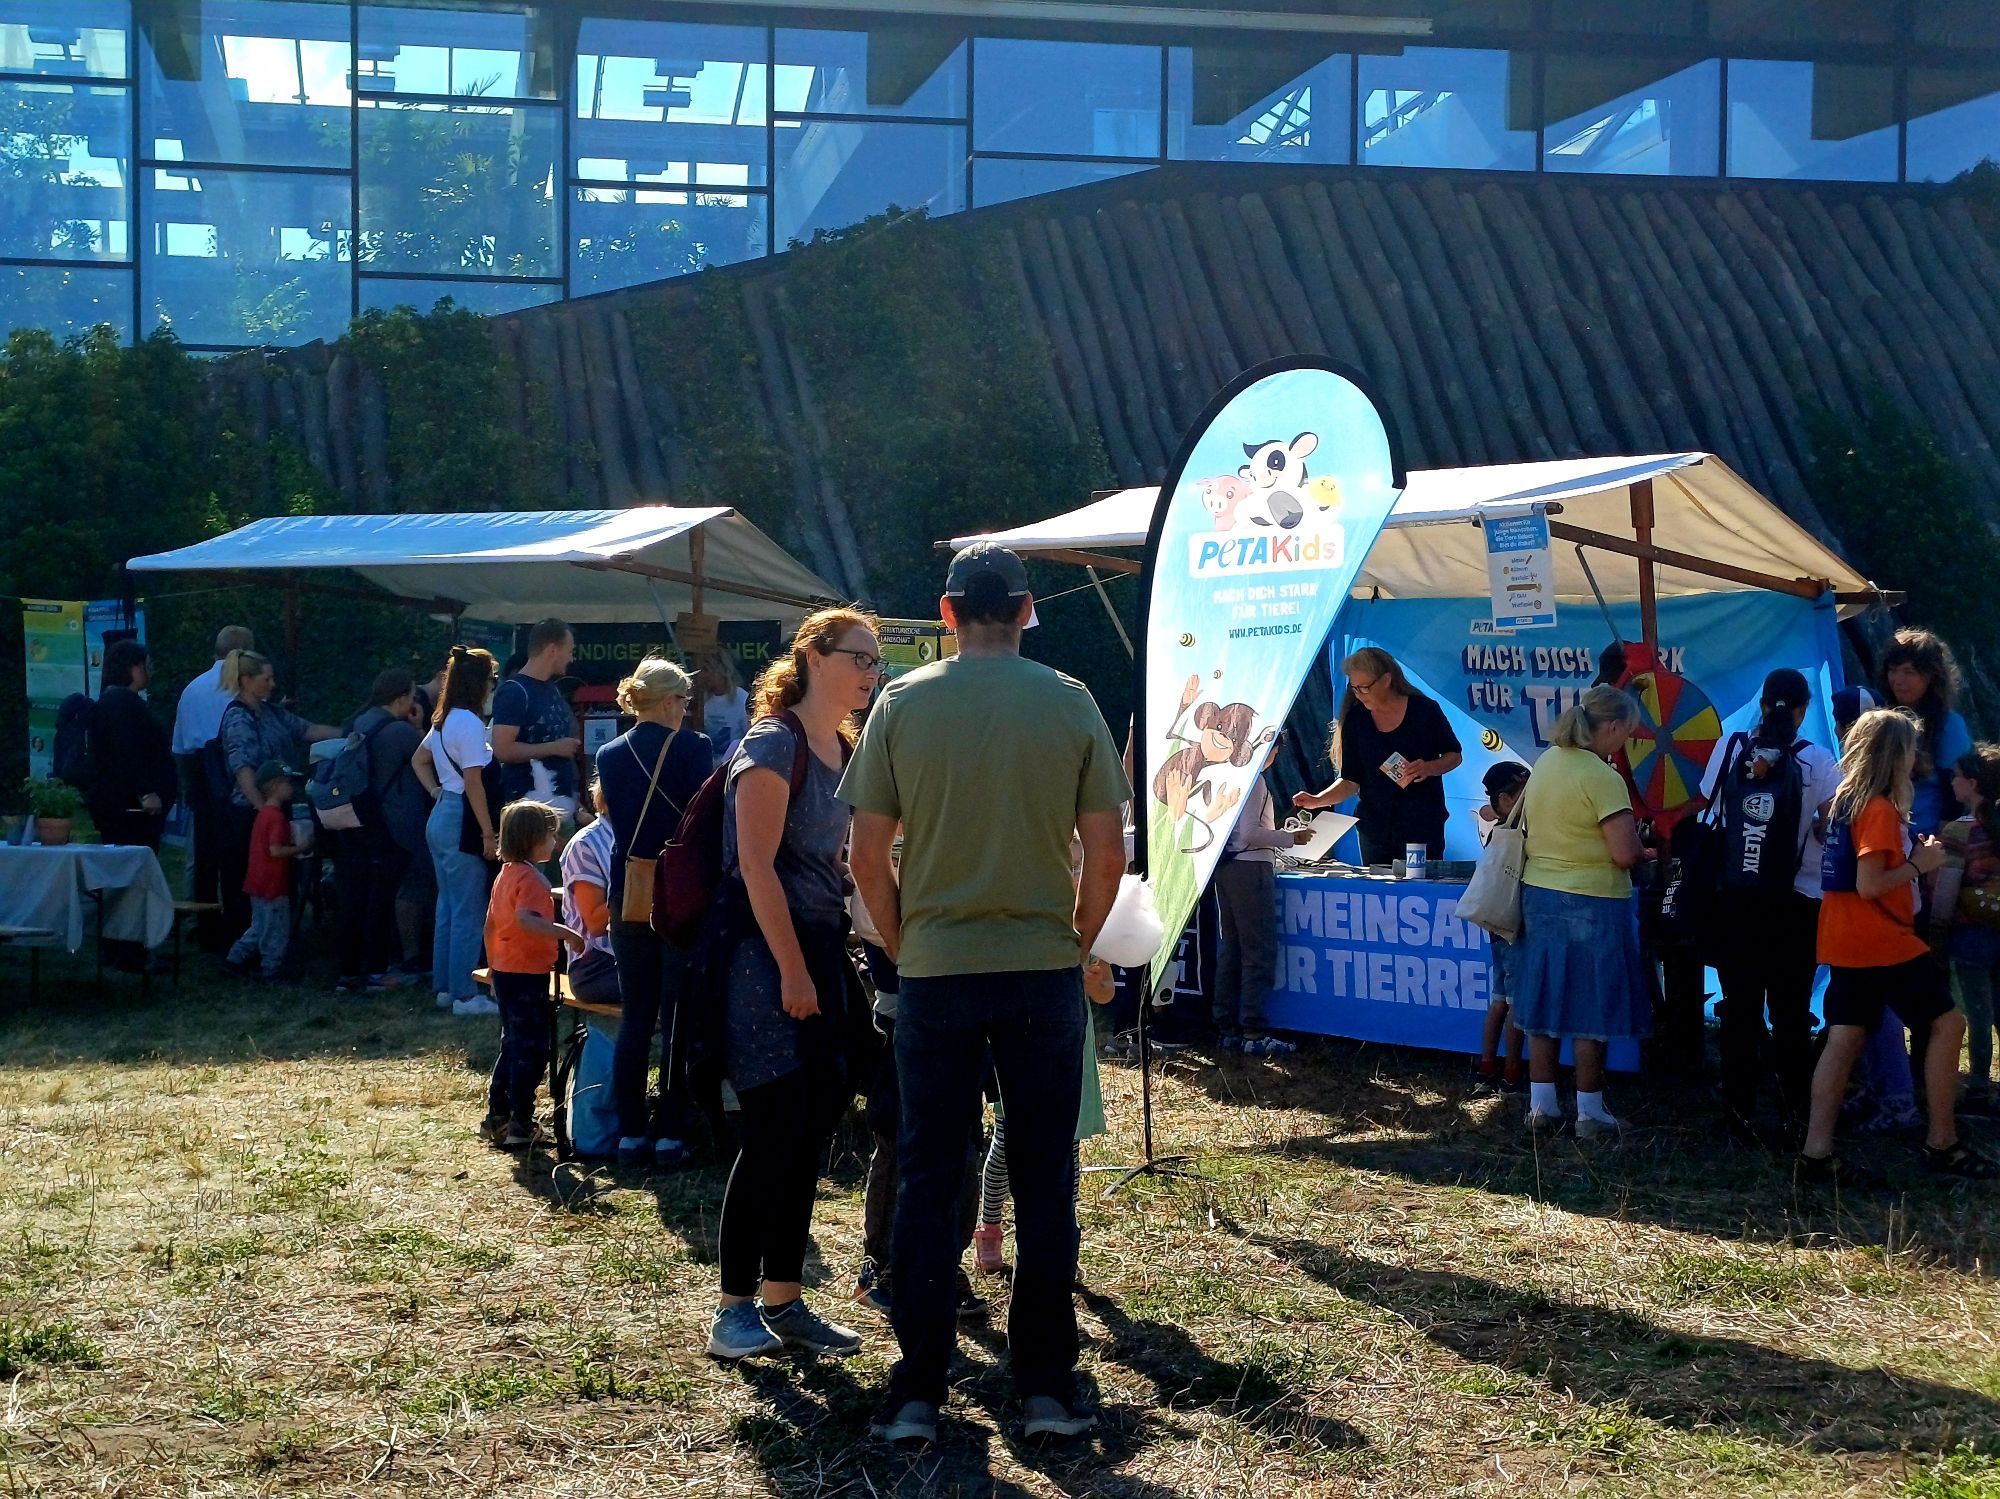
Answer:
(789, 982)
(1393, 747)
(449, 762)
(255, 730)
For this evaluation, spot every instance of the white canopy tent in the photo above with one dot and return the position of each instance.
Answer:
(518, 566)
(1701, 526)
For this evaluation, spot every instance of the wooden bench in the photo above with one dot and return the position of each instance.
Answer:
(483, 977)
(562, 1058)
(35, 937)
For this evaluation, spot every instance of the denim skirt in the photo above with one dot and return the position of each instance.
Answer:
(1578, 974)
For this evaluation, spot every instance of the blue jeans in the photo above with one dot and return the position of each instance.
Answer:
(650, 973)
(1032, 1024)
(461, 902)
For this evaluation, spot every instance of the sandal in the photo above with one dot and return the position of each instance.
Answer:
(1959, 1161)
(1832, 1171)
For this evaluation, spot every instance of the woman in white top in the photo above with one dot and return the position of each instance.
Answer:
(448, 763)
(725, 706)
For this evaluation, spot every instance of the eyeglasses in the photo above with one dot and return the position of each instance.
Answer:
(863, 661)
(1370, 685)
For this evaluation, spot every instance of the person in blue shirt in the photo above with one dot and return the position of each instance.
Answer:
(533, 725)
(1920, 676)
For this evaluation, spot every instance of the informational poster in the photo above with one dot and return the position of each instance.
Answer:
(58, 664)
(1519, 571)
(607, 653)
(1263, 524)
(910, 643)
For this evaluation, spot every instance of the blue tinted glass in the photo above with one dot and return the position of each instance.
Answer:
(460, 188)
(1239, 103)
(624, 236)
(246, 257)
(1954, 121)
(1955, 23)
(65, 299)
(1066, 98)
(1617, 114)
(248, 81)
(658, 102)
(834, 173)
(1805, 119)
(1448, 107)
(488, 297)
(64, 38)
(501, 50)
(65, 191)
(1003, 181)
(892, 70)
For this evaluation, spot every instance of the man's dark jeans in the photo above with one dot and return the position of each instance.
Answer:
(1032, 1026)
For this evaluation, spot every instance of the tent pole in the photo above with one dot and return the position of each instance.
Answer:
(1116, 623)
(1642, 533)
(697, 554)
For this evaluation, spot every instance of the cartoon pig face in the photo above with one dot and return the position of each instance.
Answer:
(1224, 497)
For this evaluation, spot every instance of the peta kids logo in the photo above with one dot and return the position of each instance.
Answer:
(1271, 515)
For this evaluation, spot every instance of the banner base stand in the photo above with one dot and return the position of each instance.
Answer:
(1151, 1165)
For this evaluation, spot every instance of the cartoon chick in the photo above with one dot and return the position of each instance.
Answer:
(1324, 491)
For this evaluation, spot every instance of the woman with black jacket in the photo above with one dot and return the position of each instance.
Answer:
(136, 778)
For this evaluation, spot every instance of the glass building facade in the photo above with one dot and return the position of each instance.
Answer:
(254, 172)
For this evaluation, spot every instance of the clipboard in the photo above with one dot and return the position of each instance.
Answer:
(1328, 828)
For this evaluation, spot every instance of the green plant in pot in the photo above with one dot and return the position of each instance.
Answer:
(54, 805)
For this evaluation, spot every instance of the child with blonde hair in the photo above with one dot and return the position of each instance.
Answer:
(523, 942)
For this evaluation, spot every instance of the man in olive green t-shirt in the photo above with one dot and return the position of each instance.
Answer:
(991, 764)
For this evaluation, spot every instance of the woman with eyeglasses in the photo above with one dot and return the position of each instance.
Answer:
(1393, 747)
(792, 995)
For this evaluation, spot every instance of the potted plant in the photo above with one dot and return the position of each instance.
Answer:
(54, 805)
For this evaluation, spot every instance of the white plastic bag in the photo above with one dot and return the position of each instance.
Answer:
(1133, 931)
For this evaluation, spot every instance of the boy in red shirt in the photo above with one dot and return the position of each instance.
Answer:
(269, 880)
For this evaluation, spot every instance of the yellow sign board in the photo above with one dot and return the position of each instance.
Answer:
(910, 643)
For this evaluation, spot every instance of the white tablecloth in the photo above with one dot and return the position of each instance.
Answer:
(45, 887)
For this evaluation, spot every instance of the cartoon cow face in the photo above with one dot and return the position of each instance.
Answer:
(1278, 465)
(1223, 497)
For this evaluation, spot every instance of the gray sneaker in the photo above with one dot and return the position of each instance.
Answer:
(904, 1421)
(1588, 1128)
(800, 1327)
(739, 1332)
(1046, 1416)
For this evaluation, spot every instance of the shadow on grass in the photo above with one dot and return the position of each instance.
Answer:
(1691, 1382)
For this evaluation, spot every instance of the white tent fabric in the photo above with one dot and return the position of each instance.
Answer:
(518, 566)
(1431, 549)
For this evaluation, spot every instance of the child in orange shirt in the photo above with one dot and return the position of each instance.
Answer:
(523, 941)
(1868, 937)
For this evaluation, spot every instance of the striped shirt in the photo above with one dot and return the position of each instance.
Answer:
(587, 861)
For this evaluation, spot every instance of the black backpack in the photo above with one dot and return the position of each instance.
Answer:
(1763, 819)
(76, 741)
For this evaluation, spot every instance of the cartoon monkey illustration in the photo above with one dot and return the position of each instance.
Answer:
(1222, 735)
(1280, 468)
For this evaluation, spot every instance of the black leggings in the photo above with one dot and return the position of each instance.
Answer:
(783, 1132)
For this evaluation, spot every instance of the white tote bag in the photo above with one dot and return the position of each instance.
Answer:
(1492, 897)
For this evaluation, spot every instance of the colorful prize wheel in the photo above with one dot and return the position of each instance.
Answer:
(1668, 752)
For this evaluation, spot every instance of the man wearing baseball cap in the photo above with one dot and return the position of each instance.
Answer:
(990, 764)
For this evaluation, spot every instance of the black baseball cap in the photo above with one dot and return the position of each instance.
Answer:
(983, 559)
(1786, 688)
(1504, 776)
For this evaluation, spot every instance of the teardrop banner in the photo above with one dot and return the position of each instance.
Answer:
(1264, 522)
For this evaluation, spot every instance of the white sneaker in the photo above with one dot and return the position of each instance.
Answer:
(479, 1004)
(444, 1000)
(1588, 1128)
(1544, 1124)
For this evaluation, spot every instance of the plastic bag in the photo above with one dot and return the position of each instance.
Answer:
(1133, 931)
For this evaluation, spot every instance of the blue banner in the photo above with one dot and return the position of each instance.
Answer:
(1502, 693)
(1260, 530)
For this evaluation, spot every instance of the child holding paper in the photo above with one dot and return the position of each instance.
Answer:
(1246, 962)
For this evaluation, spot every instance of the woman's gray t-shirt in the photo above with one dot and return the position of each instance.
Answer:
(763, 1040)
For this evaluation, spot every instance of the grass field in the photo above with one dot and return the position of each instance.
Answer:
(249, 1245)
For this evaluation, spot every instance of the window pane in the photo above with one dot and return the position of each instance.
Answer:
(1805, 119)
(248, 81)
(835, 173)
(65, 299)
(1066, 98)
(246, 257)
(1654, 18)
(1003, 181)
(1954, 121)
(891, 70)
(1619, 114)
(1444, 15)
(625, 236)
(501, 50)
(1448, 107)
(1809, 24)
(1956, 23)
(456, 188)
(64, 38)
(657, 102)
(488, 297)
(1261, 103)
(65, 187)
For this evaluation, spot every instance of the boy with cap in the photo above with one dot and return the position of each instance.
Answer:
(269, 880)
(991, 764)
(1770, 951)
(1504, 782)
